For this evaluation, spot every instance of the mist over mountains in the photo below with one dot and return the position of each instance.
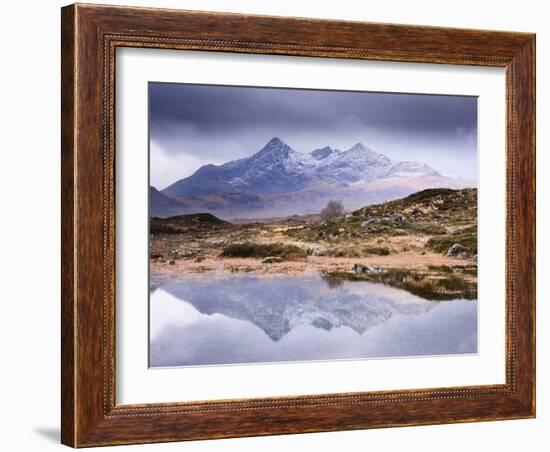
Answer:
(278, 181)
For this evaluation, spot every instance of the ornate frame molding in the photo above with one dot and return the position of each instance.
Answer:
(90, 37)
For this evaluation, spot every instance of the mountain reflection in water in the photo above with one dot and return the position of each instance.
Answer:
(229, 319)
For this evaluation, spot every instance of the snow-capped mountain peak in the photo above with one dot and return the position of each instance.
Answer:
(276, 148)
(359, 148)
(361, 152)
(278, 180)
(278, 171)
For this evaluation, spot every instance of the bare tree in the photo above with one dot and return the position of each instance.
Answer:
(332, 210)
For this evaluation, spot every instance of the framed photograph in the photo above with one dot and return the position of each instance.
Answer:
(281, 225)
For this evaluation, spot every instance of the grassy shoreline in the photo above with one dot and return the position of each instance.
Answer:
(431, 277)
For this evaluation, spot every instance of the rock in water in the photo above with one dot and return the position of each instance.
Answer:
(360, 268)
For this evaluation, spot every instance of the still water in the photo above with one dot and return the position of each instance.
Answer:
(231, 319)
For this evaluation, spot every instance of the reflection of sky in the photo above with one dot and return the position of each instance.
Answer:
(325, 326)
(194, 125)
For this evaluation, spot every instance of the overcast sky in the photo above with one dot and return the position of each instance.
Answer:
(192, 125)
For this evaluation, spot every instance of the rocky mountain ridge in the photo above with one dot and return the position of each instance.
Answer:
(278, 181)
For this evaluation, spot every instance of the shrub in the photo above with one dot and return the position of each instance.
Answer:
(441, 244)
(429, 228)
(378, 250)
(260, 251)
(345, 252)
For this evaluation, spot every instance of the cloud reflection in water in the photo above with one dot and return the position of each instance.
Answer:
(250, 319)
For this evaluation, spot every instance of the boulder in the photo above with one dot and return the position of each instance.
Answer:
(271, 260)
(182, 253)
(368, 221)
(457, 250)
(397, 218)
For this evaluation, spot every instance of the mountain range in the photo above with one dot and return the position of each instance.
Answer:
(279, 181)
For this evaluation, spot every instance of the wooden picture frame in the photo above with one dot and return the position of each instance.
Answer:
(90, 36)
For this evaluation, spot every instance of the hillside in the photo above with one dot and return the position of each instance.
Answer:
(425, 243)
(185, 224)
(430, 204)
(438, 217)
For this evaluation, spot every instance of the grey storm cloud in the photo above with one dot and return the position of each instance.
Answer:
(214, 124)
